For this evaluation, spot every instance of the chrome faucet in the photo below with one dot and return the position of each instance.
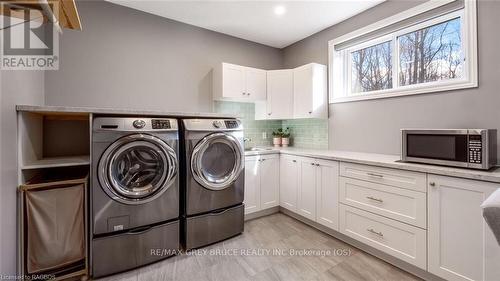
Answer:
(247, 139)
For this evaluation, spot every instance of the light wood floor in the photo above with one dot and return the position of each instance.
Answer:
(277, 231)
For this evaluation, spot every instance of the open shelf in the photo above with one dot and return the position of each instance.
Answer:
(54, 162)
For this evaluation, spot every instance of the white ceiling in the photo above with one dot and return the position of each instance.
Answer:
(256, 20)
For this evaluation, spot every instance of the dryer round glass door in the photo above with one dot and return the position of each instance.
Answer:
(137, 169)
(217, 161)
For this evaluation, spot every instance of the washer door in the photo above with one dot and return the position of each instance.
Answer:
(217, 161)
(137, 169)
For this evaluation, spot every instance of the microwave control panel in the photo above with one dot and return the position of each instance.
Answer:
(475, 149)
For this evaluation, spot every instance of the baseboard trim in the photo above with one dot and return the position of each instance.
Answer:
(365, 248)
(262, 213)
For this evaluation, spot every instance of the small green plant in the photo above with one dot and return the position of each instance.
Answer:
(286, 133)
(278, 133)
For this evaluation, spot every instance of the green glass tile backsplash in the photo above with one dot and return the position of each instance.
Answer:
(305, 133)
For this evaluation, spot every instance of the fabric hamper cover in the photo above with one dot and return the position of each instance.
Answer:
(55, 224)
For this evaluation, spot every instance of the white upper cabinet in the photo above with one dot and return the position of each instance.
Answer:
(461, 245)
(239, 83)
(279, 103)
(310, 91)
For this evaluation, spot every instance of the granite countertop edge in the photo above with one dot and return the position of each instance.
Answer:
(384, 160)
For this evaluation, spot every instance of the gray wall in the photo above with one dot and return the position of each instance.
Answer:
(373, 126)
(127, 58)
(16, 87)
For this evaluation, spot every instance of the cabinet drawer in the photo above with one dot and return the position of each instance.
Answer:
(399, 178)
(396, 203)
(400, 240)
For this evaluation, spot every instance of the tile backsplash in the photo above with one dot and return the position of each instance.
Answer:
(305, 133)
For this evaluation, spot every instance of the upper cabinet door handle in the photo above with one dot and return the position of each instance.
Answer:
(317, 164)
(243, 93)
(432, 183)
(310, 112)
(269, 113)
(294, 161)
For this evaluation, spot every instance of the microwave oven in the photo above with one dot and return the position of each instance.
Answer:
(467, 148)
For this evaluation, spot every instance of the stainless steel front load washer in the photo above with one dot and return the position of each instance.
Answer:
(134, 192)
(213, 186)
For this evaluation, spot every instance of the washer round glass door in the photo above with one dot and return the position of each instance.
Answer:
(137, 169)
(217, 161)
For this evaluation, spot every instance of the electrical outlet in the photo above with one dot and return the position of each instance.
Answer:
(264, 135)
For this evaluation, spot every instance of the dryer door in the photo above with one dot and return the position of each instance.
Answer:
(217, 161)
(137, 168)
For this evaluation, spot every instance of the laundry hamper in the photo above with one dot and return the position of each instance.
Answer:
(54, 224)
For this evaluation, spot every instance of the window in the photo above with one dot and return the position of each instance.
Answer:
(435, 53)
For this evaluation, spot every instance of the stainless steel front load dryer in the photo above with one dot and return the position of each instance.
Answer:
(213, 164)
(135, 192)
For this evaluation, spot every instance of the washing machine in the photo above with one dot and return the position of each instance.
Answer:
(134, 192)
(213, 181)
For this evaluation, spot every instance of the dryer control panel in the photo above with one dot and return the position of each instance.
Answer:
(212, 124)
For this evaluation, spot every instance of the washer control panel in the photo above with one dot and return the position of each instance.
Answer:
(158, 124)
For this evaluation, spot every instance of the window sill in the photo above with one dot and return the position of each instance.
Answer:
(407, 92)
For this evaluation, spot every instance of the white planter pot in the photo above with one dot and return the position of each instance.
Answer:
(276, 142)
(285, 142)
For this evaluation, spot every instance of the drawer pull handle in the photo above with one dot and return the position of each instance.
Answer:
(375, 175)
(295, 161)
(313, 164)
(380, 234)
(375, 199)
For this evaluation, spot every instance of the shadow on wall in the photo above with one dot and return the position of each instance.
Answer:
(205, 90)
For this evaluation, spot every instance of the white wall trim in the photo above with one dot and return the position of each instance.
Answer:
(470, 44)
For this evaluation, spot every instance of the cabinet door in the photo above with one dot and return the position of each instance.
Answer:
(233, 81)
(289, 170)
(252, 184)
(307, 188)
(280, 94)
(302, 92)
(269, 181)
(255, 84)
(327, 190)
(461, 246)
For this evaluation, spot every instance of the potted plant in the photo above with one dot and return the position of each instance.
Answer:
(285, 137)
(277, 137)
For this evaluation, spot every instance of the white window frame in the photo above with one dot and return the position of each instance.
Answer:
(340, 61)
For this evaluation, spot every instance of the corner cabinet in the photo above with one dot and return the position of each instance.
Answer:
(279, 103)
(261, 182)
(239, 83)
(460, 244)
(310, 91)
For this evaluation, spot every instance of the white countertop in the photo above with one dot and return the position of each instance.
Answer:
(385, 160)
(115, 111)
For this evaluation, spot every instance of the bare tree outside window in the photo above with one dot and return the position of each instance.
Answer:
(372, 68)
(431, 54)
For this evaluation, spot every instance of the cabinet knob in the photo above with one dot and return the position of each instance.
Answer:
(243, 93)
(432, 183)
(310, 112)
(248, 93)
(269, 113)
(295, 161)
(317, 164)
(313, 164)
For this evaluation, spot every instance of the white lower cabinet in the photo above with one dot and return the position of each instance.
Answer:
(289, 171)
(261, 182)
(327, 206)
(309, 187)
(306, 203)
(461, 246)
(400, 240)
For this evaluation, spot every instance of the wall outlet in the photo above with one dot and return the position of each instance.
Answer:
(264, 135)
